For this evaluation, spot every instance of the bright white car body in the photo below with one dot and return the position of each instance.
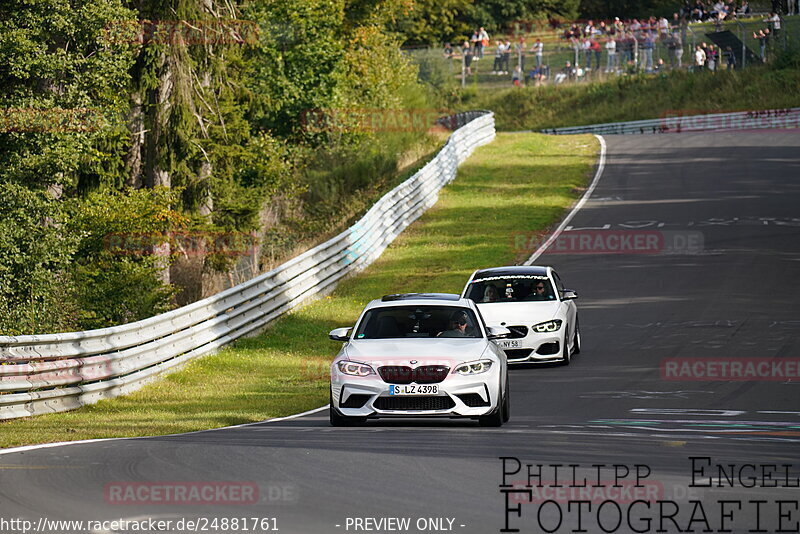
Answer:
(398, 361)
(544, 324)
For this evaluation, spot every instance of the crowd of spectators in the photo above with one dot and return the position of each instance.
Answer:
(628, 45)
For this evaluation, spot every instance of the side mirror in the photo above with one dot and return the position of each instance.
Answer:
(569, 294)
(341, 334)
(497, 332)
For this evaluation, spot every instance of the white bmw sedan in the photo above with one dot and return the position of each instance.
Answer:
(533, 303)
(419, 355)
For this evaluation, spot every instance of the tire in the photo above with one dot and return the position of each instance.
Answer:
(507, 403)
(576, 342)
(337, 419)
(495, 418)
(566, 353)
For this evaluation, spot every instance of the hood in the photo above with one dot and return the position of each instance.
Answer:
(518, 313)
(427, 351)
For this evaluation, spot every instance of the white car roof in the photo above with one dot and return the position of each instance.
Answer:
(421, 299)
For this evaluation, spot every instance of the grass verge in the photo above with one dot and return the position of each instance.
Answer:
(639, 97)
(519, 182)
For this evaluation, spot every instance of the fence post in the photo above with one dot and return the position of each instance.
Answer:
(744, 43)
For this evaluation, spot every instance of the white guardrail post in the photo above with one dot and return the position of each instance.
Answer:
(674, 122)
(57, 372)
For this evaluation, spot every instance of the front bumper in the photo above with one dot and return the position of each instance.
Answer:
(534, 347)
(458, 396)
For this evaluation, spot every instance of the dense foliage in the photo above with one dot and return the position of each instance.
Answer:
(433, 22)
(150, 117)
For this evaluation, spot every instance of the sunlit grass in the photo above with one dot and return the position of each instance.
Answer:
(521, 182)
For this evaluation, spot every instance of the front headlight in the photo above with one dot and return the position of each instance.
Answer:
(354, 368)
(549, 326)
(473, 368)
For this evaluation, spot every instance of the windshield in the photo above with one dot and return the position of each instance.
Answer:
(516, 288)
(418, 321)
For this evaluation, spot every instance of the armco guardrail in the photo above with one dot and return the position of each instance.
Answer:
(677, 123)
(57, 372)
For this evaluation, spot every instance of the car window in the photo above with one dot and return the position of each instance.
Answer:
(516, 288)
(418, 321)
(559, 283)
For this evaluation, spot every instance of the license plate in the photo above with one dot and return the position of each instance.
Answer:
(414, 389)
(510, 344)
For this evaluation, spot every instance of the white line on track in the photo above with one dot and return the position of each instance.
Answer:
(557, 232)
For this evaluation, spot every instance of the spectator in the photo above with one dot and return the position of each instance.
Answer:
(744, 9)
(676, 59)
(595, 48)
(648, 44)
(660, 66)
(475, 43)
(538, 49)
(567, 73)
(730, 58)
(497, 68)
(761, 37)
(483, 41)
(704, 46)
(586, 46)
(519, 48)
(448, 51)
(538, 75)
(516, 77)
(663, 28)
(611, 51)
(466, 50)
(506, 56)
(775, 22)
(699, 58)
(711, 58)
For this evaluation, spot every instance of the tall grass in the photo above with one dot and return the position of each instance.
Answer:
(640, 97)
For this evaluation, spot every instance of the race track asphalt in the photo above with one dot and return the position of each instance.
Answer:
(731, 295)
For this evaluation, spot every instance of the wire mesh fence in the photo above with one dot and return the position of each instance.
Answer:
(548, 57)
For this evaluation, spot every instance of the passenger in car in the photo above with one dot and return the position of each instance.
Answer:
(490, 294)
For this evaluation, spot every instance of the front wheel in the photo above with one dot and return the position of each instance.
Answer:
(565, 353)
(338, 419)
(576, 342)
(507, 403)
(496, 417)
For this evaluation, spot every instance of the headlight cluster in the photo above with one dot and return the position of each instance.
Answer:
(549, 326)
(473, 368)
(354, 368)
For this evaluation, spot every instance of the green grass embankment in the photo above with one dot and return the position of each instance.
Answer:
(639, 97)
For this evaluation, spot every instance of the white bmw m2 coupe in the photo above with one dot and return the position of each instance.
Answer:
(419, 355)
(533, 303)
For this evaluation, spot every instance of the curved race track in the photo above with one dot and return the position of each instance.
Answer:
(736, 194)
